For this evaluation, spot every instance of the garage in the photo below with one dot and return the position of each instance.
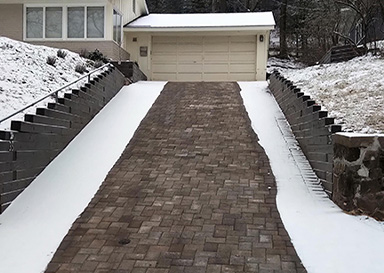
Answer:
(201, 47)
(203, 58)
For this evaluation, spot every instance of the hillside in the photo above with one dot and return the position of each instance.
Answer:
(352, 92)
(25, 75)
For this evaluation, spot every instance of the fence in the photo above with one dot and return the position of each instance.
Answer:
(31, 144)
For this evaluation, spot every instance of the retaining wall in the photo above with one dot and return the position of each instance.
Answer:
(31, 144)
(311, 126)
(359, 174)
(130, 70)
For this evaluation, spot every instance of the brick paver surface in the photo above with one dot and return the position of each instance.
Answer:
(193, 192)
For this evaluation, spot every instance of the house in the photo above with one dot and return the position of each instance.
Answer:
(176, 47)
(352, 29)
(201, 47)
(74, 25)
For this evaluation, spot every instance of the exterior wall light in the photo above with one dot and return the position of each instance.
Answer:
(261, 38)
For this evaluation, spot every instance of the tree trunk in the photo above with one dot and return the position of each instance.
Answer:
(214, 6)
(283, 29)
(222, 5)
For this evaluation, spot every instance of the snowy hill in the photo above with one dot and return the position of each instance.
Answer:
(25, 75)
(352, 92)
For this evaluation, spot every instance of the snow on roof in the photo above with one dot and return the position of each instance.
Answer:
(205, 20)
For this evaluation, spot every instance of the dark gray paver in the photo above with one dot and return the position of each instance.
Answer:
(192, 192)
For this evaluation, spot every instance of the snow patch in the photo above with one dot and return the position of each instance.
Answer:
(26, 77)
(352, 92)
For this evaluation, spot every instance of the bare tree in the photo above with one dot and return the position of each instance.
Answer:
(366, 11)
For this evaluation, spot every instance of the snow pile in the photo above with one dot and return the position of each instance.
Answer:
(326, 239)
(26, 77)
(352, 92)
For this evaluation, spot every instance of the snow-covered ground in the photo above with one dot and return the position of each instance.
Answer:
(282, 65)
(352, 92)
(34, 225)
(26, 77)
(325, 238)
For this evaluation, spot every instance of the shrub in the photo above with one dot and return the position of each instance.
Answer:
(51, 60)
(84, 53)
(61, 53)
(98, 64)
(97, 56)
(80, 68)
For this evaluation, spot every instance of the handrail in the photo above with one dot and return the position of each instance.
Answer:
(55, 93)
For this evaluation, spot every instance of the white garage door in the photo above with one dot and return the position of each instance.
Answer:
(204, 58)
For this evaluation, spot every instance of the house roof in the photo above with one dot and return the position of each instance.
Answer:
(260, 20)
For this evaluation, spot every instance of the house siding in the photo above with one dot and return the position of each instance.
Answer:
(11, 25)
(125, 6)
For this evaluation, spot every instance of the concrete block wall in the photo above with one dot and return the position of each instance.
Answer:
(31, 144)
(311, 126)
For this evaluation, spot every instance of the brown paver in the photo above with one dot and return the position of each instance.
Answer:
(192, 192)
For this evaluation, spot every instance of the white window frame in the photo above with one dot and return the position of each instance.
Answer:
(121, 27)
(64, 22)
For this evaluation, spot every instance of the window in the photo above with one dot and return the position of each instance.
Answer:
(117, 27)
(82, 22)
(95, 22)
(54, 22)
(34, 22)
(76, 22)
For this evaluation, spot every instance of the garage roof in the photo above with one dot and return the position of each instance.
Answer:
(259, 20)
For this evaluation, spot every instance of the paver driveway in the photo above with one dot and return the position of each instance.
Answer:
(192, 192)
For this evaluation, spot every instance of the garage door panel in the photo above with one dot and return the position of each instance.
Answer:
(212, 68)
(245, 68)
(242, 39)
(216, 39)
(242, 47)
(241, 77)
(216, 47)
(216, 57)
(164, 76)
(166, 48)
(188, 68)
(190, 48)
(190, 39)
(165, 67)
(215, 77)
(190, 58)
(164, 58)
(243, 57)
(198, 58)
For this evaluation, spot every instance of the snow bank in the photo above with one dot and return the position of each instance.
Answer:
(352, 92)
(325, 238)
(25, 75)
(33, 226)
